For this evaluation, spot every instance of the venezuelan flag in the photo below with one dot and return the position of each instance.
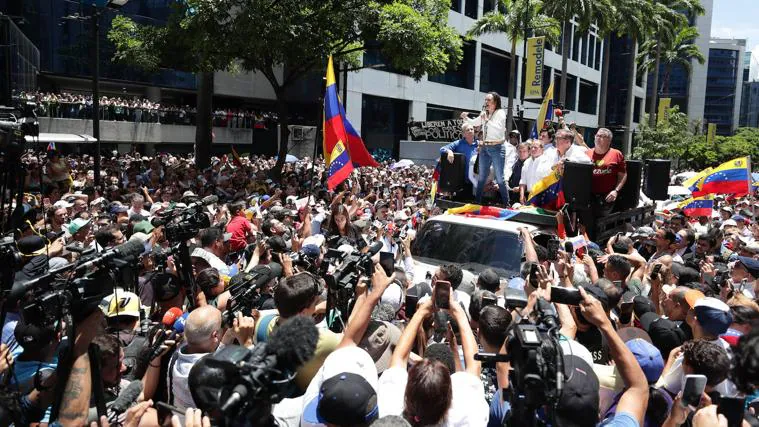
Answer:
(728, 178)
(338, 128)
(336, 155)
(698, 206)
(477, 211)
(548, 193)
(236, 157)
(545, 113)
(51, 146)
(435, 180)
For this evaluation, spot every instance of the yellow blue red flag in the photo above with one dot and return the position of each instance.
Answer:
(698, 206)
(548, 193)
(731, 177)
(545, 113)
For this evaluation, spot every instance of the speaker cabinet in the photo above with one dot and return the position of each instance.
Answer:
(452, 174)
(577, 184)
(657, 179)
(629, 196)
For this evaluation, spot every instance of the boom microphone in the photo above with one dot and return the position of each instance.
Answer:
(126, 398)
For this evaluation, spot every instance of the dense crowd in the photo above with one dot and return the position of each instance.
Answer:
(660, 306)
(139, 110)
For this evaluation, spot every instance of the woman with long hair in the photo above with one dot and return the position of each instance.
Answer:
(492, 149)
(341, 231)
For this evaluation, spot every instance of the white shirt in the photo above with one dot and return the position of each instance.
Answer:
(535, 169)
(576, 154)
(672, 381)
(493, 129)
(468, 405)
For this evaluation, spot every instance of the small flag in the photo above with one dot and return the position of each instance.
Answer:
(236, 157)
(545, 113)
(731, 177)
(698, 206)
(51, 146)
(548, 193)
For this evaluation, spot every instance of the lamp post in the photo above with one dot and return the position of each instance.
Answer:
(97, 5)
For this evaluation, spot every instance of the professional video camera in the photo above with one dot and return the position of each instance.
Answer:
(244, 289)
(76, 288)
(342, 271)
(537, 375)
(10, 260)
(182, 224)
(15, 123)
(239, 386)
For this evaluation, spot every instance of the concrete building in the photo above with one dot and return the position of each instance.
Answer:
(750, 105)
(724, 84)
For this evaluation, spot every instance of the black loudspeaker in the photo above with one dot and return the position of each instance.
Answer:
(657, 179)
(577, 184)
(451, 174)
(629, 197)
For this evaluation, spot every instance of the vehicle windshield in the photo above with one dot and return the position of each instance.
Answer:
(476, 247)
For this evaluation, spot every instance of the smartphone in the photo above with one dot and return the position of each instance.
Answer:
(732, 409)
(553, 250)
(534, 276)
(565, 296)
(170, 408)
(386, 261)
(442, 294)
(411, 303)
(693, 388)
(655, 271)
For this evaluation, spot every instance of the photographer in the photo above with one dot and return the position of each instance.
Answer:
(212, 285)
(213, 250)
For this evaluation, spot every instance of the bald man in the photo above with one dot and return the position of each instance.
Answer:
(202, 335)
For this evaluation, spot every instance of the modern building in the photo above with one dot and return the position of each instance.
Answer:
(724, 84)
(750, 105)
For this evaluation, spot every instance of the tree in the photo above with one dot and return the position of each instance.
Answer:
(586, 13)
(679, 50)
(514, 18)
(677, 9)
(285, 40)
(669, 139)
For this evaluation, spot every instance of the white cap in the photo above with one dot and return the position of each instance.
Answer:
(393, 295)
(62, 204)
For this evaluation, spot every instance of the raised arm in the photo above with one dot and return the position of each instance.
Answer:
(408, 337)
(468, 342)
(360, 321)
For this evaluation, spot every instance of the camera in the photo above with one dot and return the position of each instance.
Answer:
(348, 268)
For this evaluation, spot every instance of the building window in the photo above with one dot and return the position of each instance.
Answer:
(470, 8)
(570, 103)
(598, 54)
(384, 122)
(495, 69)
(592, 52)
(588, 97)
(463, 75)
(456, 5)
(437, 112)
(575, 46)
(488, 6)
(636, 109)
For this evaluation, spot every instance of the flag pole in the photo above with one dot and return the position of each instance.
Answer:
(750, 193)
(319, 132)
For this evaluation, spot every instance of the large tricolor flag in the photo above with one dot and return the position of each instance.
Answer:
(732, 177)
(545, 113)
(548, 193)
(343, 147)
(698, 206)
(478, 211)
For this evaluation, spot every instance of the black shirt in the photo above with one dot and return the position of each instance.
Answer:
(596, 343)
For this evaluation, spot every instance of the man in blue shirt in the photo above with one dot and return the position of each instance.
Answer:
(468, 147)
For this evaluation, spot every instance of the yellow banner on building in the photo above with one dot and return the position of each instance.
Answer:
(534, 72)
(711, 132)
(661, 113)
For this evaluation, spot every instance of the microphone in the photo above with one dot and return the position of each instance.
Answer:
(169, 318)
(179, 323)
(126, 398)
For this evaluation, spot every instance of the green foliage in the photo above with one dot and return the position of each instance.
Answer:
(673, 138)
(511, 17)
(679, 50)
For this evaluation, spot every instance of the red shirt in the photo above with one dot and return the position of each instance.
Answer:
(240, 227)
(605, 170)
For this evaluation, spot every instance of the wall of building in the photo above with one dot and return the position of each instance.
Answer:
(750, 105)
(697, 84)
(724, 84)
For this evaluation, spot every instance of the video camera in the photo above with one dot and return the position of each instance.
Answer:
(76, 288)
(239, 386)
(10, 259)
(244, 289)
(537, 375)
(182, 224)
(342, 271)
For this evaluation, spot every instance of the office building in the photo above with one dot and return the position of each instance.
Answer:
(724, 84)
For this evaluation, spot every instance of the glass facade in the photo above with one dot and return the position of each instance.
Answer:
(750, 105)
(619, 76)
(674, 84)
(20, 57)
(495, 71)
(384, 122)
(64, 41)
(721, 82)
(463, 75)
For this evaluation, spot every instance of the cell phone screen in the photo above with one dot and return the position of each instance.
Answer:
(386, 261)
(553, 250)
(534, 276)
(442, 294)
(693, 388)
(732, 409)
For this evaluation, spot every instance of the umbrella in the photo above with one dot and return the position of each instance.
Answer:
(288, 158)
(400, 164)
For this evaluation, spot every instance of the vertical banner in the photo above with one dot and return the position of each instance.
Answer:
(661, 114)
(534, 72)
(711, 133)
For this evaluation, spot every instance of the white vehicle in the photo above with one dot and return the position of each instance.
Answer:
(473, 243)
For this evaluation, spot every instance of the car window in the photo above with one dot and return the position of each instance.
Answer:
(477, 247)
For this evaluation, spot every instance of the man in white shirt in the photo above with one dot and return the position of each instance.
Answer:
(534, 169)
(567, 151)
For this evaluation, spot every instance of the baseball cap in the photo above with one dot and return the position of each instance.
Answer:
(311, 250)
(379, 342)
(751, 264)
(598, 294)
(143, 227)
(649, 358)
(727, 209)
(578, 404)
(643, 232)
(165, 286)
(729, 223)
(62, 204)
(632, 333)
(77, 225)
(737, 218)
(642, 305)
(346, 390)
(31, 336)
(31, 245)
(489, 279)
(118, 208)
(713, 315)
(665, 335)
(121, 303)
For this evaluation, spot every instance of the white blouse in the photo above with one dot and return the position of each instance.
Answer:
(493, 129)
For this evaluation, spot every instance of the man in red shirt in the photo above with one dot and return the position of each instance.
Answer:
(609, 176)
(241, 229)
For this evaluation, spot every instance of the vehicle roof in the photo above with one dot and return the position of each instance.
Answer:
(495, 224)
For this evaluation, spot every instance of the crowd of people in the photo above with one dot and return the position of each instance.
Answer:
(663, 331)
(139, 110)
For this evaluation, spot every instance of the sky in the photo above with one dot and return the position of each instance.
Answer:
(738, 19)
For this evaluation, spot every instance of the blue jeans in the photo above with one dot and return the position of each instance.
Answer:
(495, 155)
